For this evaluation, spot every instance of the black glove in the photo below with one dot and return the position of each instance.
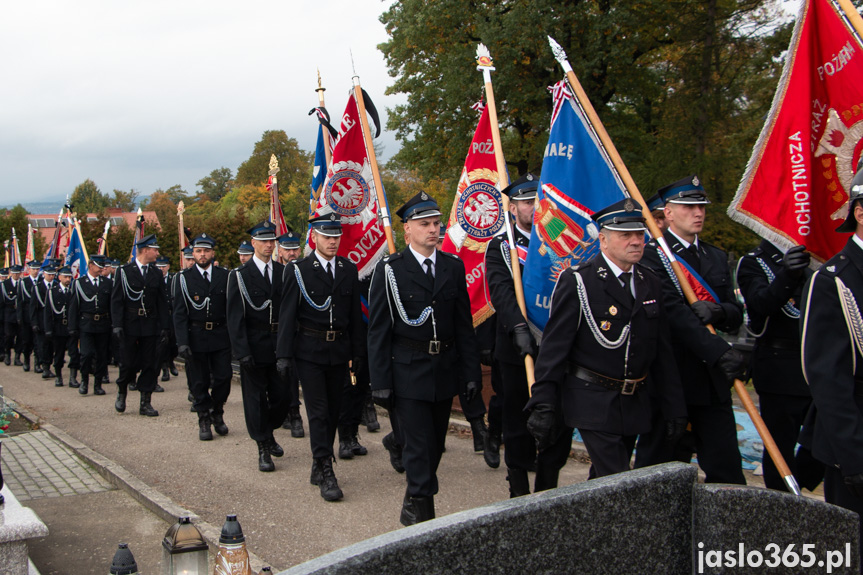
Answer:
(796, 260)
(72, 333)
(51, 333)
(732, 364)
(523, 341)
(708, 312)
(854, 483)
(675, 428)
(248, 361)
(542, 425)
(163, 337)
(283, 366)
(37, 329)
(383, 398)
(185, 352)
(356, 365)
(485, 357)
(118, 333)
(471, 390)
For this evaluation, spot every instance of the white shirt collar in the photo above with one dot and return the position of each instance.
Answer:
(421, 258)
(858, 241)
(208, 269)
(92, 278)
(262, 264)
(682, 241)
(324, 261)
(523, 232)
(617, 271)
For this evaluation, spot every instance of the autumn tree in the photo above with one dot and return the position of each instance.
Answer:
(217, 185)
(88, 199)
(294, 163)
(126, 201)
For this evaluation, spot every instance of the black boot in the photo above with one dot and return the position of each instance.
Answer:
(18, 359)
(7, 358)
(518, 482)
(395, 451)
(58, 381)
(97, 388)
(37, 366)
(133, 386)
(408, 515)
(265, 462)
(370, 415)
(173, 369)
(294, 422)
(165, 375)
(275, 449)
(106, 379)
(120, 402)
(26, 365)
(73, 377)
(204, 431)
(354, 442)
(479, 431)
(345, 451)
(546, 478)
(491, 450)
(330, 490)
(424, 507)
(317, 474)
(146, 408)
(85, 384)
(217, 416)
(46, 372)
(159, 388)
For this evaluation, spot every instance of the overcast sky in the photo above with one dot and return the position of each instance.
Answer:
(147, 95)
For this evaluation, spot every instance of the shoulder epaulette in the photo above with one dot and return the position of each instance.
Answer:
(453, 256)
(835, 265)
(392, 257)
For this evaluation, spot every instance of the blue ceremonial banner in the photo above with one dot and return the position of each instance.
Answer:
(319, 174)
(577, 180)
(76, 253)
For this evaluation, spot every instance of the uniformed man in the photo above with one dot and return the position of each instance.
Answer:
(57, 319)
(512, 344)
(605, 343)
(9, 294)
(200, 322)
(139, 314)
(90, 323)
(37, 319)
(322, 332)
(168, 351)
(289, 250)
(707, 364)
(245, 251)
(113, 345)
(254, 291)
(26, 289)
(422, 348)
(833, 361)
(771, 284)
(188, 258)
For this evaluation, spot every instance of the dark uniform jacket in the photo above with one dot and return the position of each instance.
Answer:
(92, 316)
(9, 295)
(502, 291)
(38, 303)
(773, 306)
(303, 328)
(254, 333)
(57, 316)
(26, 291)
(833, 360)
(204, 330)
(696, 349)
(411, 371)
(569, 341)
(144, 317)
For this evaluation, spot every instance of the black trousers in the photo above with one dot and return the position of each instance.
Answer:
(11, 330)
(423, 426)
(783, 415)
(520, 450)
(472, 410)
(47, 350)
(265, 400)
(210, 368)
(25, 339)
(715, 432)
(323, 386)
(138, 357)
(94, 354)
(61, 344)
(837, 493)
(495, 403)
(74, 352)
(354, 399)
(39, 347)
(609, 453)
(167, 351)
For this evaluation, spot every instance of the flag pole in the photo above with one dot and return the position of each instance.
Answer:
(103, 249)
(688, 292)
(329, 152)
(852, 16)
(370, 150)
(485, 65)
(181, 207)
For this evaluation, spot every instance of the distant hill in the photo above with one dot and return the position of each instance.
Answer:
(50, 207)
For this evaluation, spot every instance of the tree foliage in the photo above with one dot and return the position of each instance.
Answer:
(88, 199)
(294, 164)
(126, 201)
(217, 185)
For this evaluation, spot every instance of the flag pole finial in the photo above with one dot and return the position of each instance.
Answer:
(274, 165)
(559, 54)
(320, 89)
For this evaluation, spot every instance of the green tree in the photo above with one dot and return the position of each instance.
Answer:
(294, 163)
(126, 201)
(215, 186)
(88, 199)
(17, 218)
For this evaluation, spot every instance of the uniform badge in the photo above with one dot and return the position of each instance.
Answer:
(605, 325)
(612, 310)
(197, 297)
(831, 269)
(695, 181)
(424, 197)
(628, 205)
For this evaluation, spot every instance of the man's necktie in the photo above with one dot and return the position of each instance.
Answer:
(330, 270)
(429, 273)
(206, 277)
(626, 278)
(267, 276)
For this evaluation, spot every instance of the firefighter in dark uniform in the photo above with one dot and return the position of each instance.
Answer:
(90, 323)
(37, 318)
(605, 343)
(4, 275)
(167, 352)
(322, 332)
(771, 284)
(139, 314)
(245, 252)
(289, 250)
(707, 364)
(201, 325)
(9, 294)
(57, 320)
(513, 342)
(26, 290)
(830, 325)
(422, 348)
(254, 291)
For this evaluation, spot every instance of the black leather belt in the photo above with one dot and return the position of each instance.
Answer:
(328, 335)
(431, 347)
(263, 326)
(624, 386)
(779, 343)
(140, 311)
(96, 316)
(207, 325)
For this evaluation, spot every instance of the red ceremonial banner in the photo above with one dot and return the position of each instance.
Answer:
(476, 217)
(794, 190)
(350, 192)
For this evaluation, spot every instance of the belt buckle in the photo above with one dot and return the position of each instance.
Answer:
(65, 322)
(331, 335)
(274, 327)
(208, 326)
(434, 347)
(628, 386)
(96, 317)
(142, 312)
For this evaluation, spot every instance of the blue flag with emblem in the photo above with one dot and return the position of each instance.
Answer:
(76, 253)
(319, 172)
(577, 180)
